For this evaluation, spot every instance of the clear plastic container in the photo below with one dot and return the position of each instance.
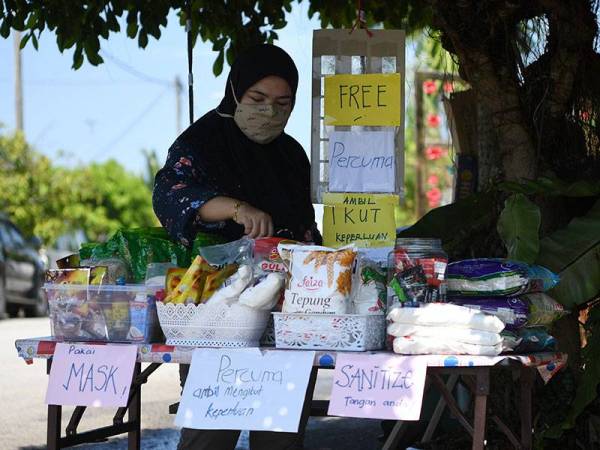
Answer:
(416, 272)
(106, 313)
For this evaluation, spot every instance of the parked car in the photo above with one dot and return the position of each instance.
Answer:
(22, 266)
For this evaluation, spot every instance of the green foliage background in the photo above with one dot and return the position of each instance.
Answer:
(47, 200)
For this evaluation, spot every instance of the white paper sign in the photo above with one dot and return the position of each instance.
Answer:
(362, 161)
(91, 375)
(245, 389)
(382, 386)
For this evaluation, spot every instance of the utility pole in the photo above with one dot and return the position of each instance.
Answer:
(178, 92)
(18, 83)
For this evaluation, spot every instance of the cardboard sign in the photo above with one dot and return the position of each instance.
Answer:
(366, 219)
(362, 161)
(91, 375)
(245, 389)
(370, 99)
(378, 386)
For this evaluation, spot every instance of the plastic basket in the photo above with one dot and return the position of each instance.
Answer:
(349, 332)
(207, 325)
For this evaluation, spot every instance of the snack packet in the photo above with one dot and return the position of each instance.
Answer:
(267, 260)
(320, 278)
(369, 297)
(189, 289)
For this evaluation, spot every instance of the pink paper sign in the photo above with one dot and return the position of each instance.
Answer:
(378, 386)
(91, 375)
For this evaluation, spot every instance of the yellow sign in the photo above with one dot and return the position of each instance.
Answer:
(369, 100)
(366, 219)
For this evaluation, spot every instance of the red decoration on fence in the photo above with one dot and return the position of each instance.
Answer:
(429, 87)
(433, 120)
(434, 152)
(434, 196)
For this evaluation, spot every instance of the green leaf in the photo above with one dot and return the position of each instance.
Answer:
(24, 40)
(454, 223)
(587, 386)
(132, 29)
(552, 187)
(77, 58)
(142, 39)
(573, 253)
(5, 29)
(34, 41)
(218, 64)
(518, 226)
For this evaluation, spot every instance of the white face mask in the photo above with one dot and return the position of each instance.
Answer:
(260, 123)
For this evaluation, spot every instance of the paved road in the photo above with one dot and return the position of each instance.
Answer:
(23, 414)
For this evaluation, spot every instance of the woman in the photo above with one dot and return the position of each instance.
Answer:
(235, 172)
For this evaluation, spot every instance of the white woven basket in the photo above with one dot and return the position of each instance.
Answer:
(218, 325)
(349, 332)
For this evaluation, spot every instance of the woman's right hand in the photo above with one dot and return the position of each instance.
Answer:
(256, 223)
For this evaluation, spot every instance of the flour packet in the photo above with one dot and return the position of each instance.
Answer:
(320, 278)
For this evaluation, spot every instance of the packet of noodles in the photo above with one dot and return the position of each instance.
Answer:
(320, 278)
(192, 283)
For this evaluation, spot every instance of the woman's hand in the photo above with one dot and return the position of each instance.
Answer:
(256, 223)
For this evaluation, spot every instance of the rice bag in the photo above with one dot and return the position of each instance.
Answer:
(445, 314)
(320, 279)
(497, 277)
(411, 345)
(513, 311)
(265, 294)
(369, 295)
(466, 335)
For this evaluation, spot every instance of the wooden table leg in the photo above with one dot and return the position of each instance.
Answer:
(527, 379)
(135, 412)
(54, 420)
(482, 389)
(391, 443)
(439, 410)
(53, 429)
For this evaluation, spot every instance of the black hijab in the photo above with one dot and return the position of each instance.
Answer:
(252, 66)
(273, 177)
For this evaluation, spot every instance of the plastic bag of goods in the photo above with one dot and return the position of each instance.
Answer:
(369, 295)
(497, 277)
(320, 278)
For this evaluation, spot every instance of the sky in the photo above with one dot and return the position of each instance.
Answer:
(98, 113)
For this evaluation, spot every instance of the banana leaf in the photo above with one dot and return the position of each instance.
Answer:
(454, 223)
(518, 226)
(573, 253)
